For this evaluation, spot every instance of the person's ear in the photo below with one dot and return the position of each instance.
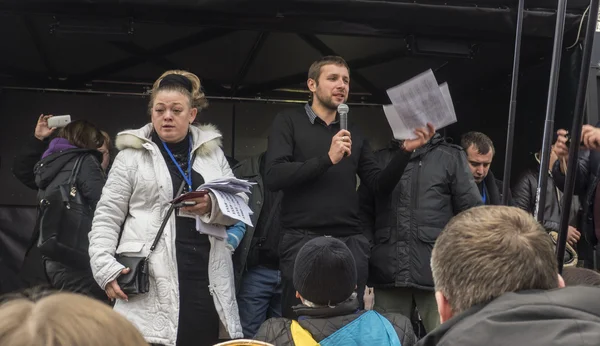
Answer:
(444, 308)
(312, 85)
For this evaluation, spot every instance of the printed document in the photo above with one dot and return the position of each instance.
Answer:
(226, 192)
(416, 102)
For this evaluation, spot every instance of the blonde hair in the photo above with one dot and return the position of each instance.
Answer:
(197, 98)
(64, 319)
(487, 251)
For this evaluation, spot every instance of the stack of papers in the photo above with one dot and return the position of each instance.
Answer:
(226, 191)
(229, 184)
(417, 102)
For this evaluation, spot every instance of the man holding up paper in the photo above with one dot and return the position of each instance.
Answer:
(402, 227)
(315, 163)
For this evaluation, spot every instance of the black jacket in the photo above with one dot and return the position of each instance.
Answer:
(55, 170)
(437, 184)
(249, 169)
(25, 161)
(586, 180)
(321, 323)
(494, 190)
(524, 194)
(567, 316)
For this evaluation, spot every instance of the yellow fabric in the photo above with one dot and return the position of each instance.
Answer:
(301, 336)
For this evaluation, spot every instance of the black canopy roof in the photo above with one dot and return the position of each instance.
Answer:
(249, 48)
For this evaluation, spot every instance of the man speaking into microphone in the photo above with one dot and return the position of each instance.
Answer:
(314, 161)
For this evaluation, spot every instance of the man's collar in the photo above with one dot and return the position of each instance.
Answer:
(312, 116)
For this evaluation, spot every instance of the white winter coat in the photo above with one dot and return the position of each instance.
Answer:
(137, 195)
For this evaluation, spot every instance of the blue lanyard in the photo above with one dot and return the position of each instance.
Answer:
(186, 177)
(484, 197)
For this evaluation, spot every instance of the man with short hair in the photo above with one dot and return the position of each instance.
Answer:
(495, 275)
(480, 153)
(315, 164)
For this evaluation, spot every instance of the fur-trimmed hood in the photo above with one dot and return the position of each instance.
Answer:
(206, 138)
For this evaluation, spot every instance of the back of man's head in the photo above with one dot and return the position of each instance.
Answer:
(487, 251)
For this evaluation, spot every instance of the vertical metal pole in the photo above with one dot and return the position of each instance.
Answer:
(513, 105)
(233, 131)
(540, 200)
(578, 115)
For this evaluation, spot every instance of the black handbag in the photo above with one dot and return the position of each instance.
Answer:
(137, 281)
(64, 220)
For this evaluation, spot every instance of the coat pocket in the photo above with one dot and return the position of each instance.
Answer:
(382, 235)
(428, 234)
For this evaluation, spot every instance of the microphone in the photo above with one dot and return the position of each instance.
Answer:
(343, 110)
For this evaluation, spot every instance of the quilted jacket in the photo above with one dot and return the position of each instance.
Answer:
(136, 196)
(323, 322)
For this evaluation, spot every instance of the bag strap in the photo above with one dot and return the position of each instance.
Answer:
(170, 211)
(75, 171)
(166, 219)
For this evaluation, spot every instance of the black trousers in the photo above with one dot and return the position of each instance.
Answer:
(289, 246)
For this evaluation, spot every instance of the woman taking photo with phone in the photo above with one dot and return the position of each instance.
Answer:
(191, 283)
(70, 181)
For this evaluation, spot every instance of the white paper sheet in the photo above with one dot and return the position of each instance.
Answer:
(217, 231)
(226, 191)
(416, 102)
(233, 206)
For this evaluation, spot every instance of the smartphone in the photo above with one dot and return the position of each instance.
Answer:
(189, 195)
(185, 204)
(59, 121)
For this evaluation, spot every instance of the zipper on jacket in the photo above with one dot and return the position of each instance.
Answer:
(415, 188)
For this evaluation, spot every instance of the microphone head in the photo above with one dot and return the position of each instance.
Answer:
(343, 108)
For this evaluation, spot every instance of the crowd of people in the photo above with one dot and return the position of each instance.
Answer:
(421, 221)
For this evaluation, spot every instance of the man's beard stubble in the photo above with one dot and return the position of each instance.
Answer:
(328, 103)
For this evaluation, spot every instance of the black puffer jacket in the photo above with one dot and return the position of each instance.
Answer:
(566, 316)
(437, 184)
(321, 323)
(55, 170)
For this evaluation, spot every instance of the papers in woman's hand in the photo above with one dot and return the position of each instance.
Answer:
(416, 102)
(226, 191)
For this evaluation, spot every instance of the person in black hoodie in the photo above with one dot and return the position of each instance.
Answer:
(78, 139)
(497, 283)
(480, 153)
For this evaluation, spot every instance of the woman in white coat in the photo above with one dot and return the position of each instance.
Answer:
(191, 274)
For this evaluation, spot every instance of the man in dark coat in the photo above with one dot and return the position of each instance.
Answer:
(480, 153)
(403, 226)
